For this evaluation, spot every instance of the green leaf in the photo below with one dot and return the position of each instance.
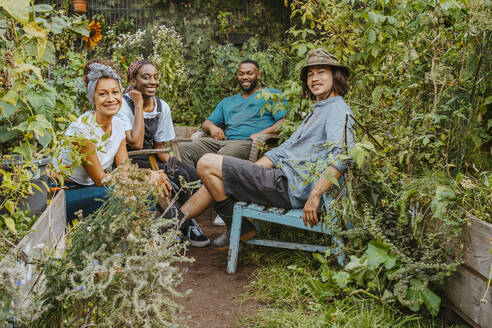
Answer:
(372, 17)
(57, 25)
(80, 28)
(359, 153)
(390, 262)
(440, 202)
(414, 296)
(9, 222)
(377, 254)
(46, 139)
(432, 301)
(39, 125)
(419, 294)
(25, 67)
(320, 258)
(357, 269)
(10, 206)
(333, 180)
(341, 278)
(7, 110)
(42, 8)
(13, 95)
(49, 54)
(43, 101)
(31, 48)
(6, 134)
(371, 37)
(26, 150)
(301, 50)
(18, 9)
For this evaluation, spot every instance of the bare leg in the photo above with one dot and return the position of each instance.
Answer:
(197, 203)
(210, 171)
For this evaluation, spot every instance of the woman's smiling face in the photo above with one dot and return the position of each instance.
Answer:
(107, 97)
(147, 80)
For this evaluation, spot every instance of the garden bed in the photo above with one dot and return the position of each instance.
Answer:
(46, 235)
(466, 288)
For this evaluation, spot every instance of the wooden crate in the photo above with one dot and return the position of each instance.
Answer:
(47, 235)
(466, 288)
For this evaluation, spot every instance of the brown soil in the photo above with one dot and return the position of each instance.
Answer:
(215, 300)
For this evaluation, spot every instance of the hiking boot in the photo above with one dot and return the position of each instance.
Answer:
(218, 221)
(248, 232)
(195, 235)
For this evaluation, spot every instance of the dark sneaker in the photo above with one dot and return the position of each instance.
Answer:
(248, 232)
(195, 236)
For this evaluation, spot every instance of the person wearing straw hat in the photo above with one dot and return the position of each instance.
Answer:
(280, 177)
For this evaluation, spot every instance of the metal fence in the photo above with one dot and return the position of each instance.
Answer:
(141, 14)
(134, 10)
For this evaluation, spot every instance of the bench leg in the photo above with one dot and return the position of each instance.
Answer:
(338, 249)
(234, 240)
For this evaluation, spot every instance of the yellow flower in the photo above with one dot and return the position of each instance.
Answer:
(94, 35)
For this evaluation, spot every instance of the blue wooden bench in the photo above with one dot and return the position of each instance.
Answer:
(292, 218)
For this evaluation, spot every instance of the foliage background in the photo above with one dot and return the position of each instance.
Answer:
(420, 83)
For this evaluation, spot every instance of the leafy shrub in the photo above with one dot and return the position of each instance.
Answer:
(36, 98)
(216, 76)
(418, 82)
(119, 268)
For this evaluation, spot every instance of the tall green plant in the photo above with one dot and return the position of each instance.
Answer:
(419, 83)
(31, 107)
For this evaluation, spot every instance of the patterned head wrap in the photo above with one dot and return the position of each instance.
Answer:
(132, 71)
(97, 72)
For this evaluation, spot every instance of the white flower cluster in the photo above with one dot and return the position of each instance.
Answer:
(167, 54)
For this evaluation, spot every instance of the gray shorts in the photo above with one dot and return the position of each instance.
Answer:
(248, 182)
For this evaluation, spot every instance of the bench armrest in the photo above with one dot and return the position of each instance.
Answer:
(148, 151)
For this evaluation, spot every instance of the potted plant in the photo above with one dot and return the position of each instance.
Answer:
(80, 6)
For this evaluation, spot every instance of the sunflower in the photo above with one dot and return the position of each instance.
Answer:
(94, 35)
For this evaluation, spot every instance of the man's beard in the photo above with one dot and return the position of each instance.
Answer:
(252, 86)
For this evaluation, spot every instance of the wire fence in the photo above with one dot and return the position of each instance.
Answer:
(141, 14)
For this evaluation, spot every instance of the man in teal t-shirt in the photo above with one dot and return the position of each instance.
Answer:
(236, 120)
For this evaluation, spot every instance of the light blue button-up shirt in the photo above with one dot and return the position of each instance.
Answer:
(313, 147)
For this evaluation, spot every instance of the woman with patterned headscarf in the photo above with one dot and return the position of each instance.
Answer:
(148, 125)
(101, 138)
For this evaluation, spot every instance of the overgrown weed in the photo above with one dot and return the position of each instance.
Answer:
(282, 284)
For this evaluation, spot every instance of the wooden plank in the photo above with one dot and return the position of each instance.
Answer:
(297, 212)
(46, 234)
(255, 207)
(276, 210)
(284, 219)
(464, 291)
(478, 238)
(148, 151)
(283, 244)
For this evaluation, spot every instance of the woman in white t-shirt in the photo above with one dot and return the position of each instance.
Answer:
(101, 139)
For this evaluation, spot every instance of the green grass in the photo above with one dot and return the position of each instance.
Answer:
(280, 284)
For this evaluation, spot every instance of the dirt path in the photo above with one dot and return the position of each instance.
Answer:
(214, 301)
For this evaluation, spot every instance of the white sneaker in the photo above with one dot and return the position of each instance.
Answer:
(218, 221)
